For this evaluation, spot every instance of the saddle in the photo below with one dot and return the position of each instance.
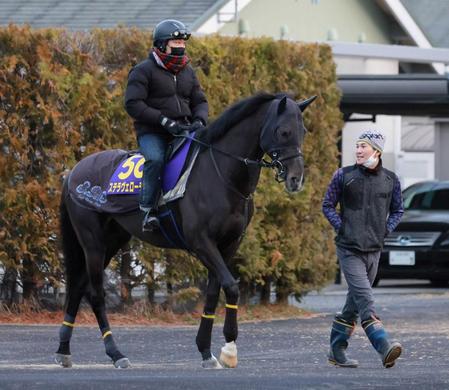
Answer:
(110, 181)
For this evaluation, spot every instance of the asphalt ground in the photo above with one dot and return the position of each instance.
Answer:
(288, 354)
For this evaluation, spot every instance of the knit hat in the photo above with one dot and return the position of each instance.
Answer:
(373, 137)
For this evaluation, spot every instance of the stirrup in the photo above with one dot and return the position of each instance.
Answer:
(150, 223)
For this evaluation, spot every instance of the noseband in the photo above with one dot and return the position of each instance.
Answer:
(276, 162)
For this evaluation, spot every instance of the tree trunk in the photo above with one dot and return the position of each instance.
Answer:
(151, 284)
(282, 294)
(244, 289)
(8, 287)
(125, 275)
(265, 291)
(29, 280)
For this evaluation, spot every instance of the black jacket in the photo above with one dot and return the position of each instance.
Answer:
(153, 90)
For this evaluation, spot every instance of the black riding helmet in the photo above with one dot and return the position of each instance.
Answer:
(169, 29)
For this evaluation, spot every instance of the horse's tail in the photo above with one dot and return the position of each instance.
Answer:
(73, 254)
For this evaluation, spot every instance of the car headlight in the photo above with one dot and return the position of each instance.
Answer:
(445, 241)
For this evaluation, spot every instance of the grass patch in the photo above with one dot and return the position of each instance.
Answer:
(145, 314)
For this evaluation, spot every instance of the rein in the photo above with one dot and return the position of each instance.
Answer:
(275, 163)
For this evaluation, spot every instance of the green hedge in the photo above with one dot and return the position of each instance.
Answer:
(61, 98)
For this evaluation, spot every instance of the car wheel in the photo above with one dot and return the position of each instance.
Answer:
(439, 282)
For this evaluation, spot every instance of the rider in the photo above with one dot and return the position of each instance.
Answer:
(164, 97)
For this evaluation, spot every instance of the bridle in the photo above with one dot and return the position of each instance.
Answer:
(276, 163)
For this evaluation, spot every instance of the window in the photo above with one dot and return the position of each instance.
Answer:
(437, 199)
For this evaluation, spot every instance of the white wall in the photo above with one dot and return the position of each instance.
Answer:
(357, 65)
(413, 167)
(388, 125)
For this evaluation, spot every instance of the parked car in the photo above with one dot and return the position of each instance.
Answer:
(419, 247)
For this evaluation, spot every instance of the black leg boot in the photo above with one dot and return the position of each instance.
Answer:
(340, 334)
(150, 222)
(376, 333)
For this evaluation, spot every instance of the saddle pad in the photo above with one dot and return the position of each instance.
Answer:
(127, 178)
(99, 181)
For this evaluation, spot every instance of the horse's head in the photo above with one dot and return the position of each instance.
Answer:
(281, 138)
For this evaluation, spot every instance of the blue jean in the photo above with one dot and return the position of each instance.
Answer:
(153, 148)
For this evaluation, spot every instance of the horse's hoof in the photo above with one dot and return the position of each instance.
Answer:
(63, 360)
(212, 362)
(228, 356)
(122, 363)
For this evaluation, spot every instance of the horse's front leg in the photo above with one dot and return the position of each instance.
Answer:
(211, 257)
(204, 336)
(228, 356)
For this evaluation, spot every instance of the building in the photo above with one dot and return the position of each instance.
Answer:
(393, 51)
(391, 57)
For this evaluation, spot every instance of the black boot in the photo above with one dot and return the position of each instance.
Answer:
(376, 333)
(340, 334)
(150, 222)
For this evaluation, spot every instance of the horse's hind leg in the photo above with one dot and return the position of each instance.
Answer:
(204, 336)
(74, 294)
(96, 299)
(76, 282)
(92, 235)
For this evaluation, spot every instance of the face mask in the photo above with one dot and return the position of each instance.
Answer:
(177, 51)
(371, 161)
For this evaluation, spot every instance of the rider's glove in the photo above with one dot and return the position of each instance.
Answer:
(171, 125)
(196, 125)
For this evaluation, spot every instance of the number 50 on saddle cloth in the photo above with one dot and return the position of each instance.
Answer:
(110, 181)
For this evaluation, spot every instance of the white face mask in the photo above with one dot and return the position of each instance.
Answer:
(371, 162)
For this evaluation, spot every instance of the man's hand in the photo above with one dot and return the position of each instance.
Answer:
(172, 126)
(196, 125)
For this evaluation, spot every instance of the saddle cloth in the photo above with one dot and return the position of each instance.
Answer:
(110, 181)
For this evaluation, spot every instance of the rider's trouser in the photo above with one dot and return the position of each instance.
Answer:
(153, 147)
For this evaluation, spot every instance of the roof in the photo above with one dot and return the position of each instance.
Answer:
(432, 18)
(87, 14)
(429, 15)
(403, 94)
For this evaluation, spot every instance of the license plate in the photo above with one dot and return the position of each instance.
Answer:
(402, 258)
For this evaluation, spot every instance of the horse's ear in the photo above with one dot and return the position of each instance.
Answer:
(282, 105)
(304, 103)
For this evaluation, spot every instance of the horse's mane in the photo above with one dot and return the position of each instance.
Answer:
(233, 115)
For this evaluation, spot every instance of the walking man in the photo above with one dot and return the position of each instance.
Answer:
(371, 206)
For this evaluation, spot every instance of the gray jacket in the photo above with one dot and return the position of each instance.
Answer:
(370, 206)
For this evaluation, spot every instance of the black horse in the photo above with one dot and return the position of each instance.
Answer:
(213, 214)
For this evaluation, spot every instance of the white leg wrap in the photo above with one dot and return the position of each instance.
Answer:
(211, 363)
(228, 357)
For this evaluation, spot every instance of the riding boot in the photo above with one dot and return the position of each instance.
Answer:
(378, 337)
(340, 334)
(150, 222)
